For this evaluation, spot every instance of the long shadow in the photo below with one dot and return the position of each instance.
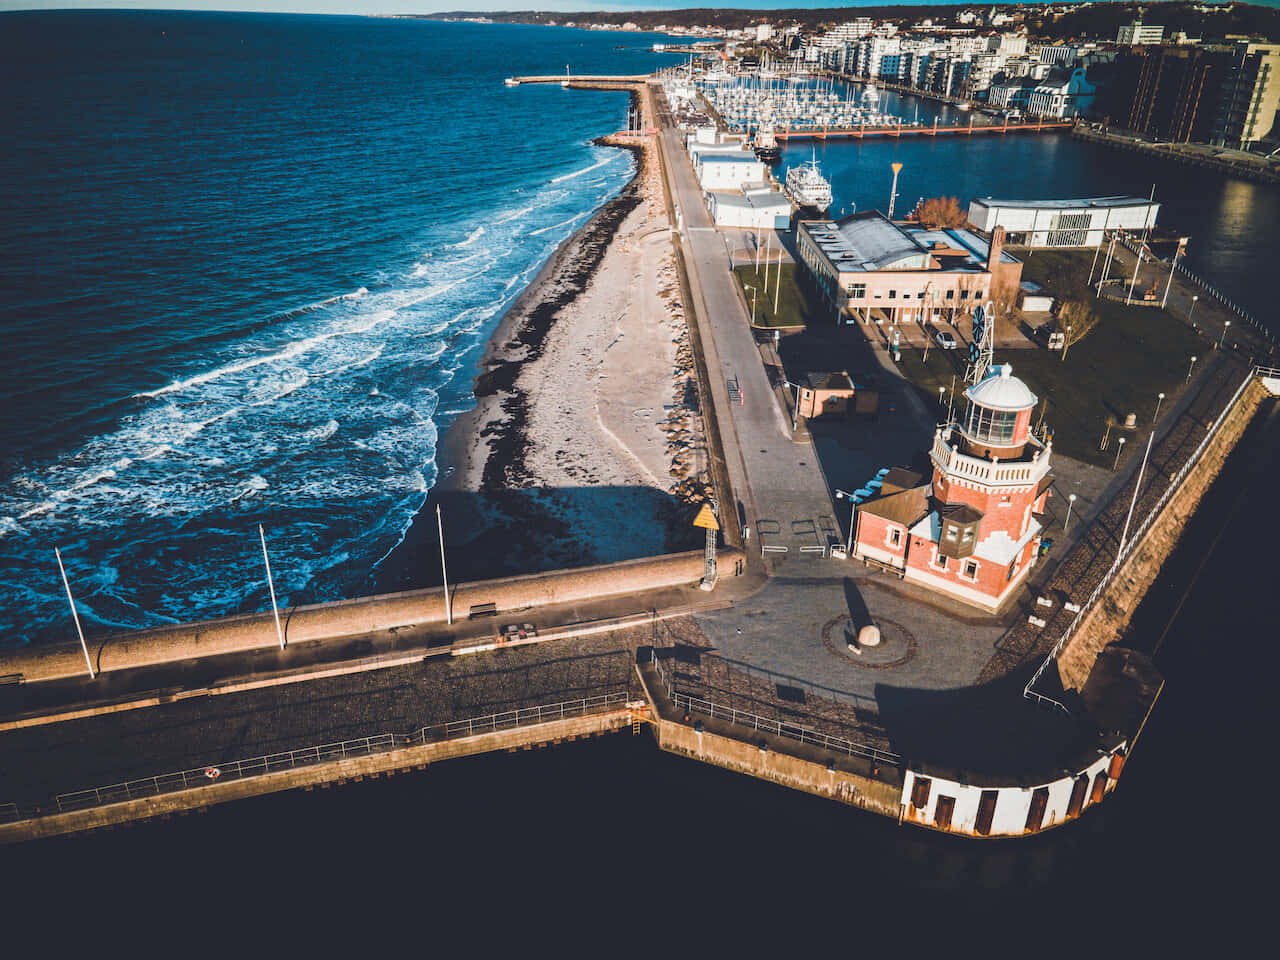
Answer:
(514, 531)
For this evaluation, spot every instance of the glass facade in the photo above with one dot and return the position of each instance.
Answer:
(991, 426)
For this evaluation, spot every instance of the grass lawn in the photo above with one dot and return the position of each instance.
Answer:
(1133, 354)
(795, 308)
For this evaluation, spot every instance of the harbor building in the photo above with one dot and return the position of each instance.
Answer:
(974, 531)
(872, 270)
(1079, 222)
(755, 207)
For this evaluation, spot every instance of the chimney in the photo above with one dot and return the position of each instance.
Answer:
(997, 247)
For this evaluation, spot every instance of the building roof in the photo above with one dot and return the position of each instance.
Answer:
(837, 380)
(867, 241)
(899, 479)
(1079, 203)
(1001, 390)
(904, 507)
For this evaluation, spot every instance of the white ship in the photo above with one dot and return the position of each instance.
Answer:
(808, 187)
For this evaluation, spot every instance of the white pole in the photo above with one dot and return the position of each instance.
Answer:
(757, 257)
(448, 600)
(74, 616)
(270, 585)
(768, 244)
(1136, 487)
(1173, 266)
(777, 287)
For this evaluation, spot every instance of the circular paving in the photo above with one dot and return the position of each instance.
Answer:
(897, 645)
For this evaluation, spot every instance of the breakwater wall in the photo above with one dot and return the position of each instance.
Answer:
(325, 766)
(1102, 621)
(1194, 155)
(359, 617)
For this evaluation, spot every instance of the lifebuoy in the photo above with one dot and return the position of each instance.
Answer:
(213, 773)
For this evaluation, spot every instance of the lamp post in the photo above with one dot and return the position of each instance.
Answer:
(1194, 300)
(893, 191)
(1066, 342)
(941, 392)
(1119, 449)
(1225, 326)
(853, 506)
(753, 302)
(1182, 243)
(1156, 416)
(1189, 366)
(1071, 502)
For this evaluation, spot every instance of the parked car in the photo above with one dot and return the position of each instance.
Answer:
(946, 340)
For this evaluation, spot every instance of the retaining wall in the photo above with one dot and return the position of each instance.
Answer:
(1110, 615)
(359, 617)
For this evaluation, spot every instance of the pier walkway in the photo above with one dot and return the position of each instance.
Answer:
(865, 132)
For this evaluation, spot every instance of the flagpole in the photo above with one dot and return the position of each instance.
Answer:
(448, 600)
(74, 616)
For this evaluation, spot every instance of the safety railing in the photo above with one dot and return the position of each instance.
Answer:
(1128, 547)
(779, 728)
(224, 771)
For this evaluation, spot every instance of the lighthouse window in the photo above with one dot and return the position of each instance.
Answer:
(993, 426)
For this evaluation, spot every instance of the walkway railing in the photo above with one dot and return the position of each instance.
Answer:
(1212, 291)
(780, 728)
(1129, 547)
(225, 771)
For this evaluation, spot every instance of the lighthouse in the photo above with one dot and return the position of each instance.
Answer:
(973, 530)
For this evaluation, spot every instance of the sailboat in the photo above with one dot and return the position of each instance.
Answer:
(565, 81)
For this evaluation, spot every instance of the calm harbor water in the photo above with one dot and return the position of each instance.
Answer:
(256, 256)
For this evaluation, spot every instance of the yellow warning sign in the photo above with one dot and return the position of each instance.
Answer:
(706, 518)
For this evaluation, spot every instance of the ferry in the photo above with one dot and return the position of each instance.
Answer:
(808, 187)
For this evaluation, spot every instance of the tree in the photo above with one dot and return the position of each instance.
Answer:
(936, 212)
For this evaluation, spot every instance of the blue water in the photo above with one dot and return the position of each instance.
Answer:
(247, 264)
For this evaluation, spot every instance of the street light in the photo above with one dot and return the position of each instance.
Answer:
(941, 392)
(1225, 327)
(853, 505)
(1189, 366)
(1119, 450)
(1071, 501)
(753, 302)
(1066, 342)
(1156, 416)
(1194, 300)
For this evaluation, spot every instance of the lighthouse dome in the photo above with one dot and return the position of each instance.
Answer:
(1001, 390)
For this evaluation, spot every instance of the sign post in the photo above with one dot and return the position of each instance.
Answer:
(706, 519)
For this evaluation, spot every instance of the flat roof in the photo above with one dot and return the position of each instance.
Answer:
(1081, 203)
(871, 242)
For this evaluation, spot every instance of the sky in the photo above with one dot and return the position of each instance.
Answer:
(433, 6)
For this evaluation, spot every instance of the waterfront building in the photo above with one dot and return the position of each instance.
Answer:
(973, 532)
(869, 269)
(1138, 33)
(721, 171)
(1250, 96)
(755, 207)
(1064, 93)
(1081, 222)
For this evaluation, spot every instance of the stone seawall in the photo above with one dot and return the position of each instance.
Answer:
(323, 774)
(1109, 616)
(360, 617)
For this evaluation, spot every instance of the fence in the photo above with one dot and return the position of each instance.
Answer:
(1212, 291)
(1128, 548)
(778, 728)
(328, 753)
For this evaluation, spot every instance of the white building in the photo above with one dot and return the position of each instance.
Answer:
(1062, 223)
(1062, 94)
(1137, 33)
(755, 207)
(728, 171)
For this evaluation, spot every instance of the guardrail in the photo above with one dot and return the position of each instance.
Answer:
(224, 771)
(791, 731)
(1128, 548)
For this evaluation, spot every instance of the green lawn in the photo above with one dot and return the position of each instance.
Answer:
(795, 307)
(1133, 354)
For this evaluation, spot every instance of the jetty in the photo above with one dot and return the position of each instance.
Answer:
(963, 722)
(935, 130)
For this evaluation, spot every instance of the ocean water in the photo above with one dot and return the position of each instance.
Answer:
(247, 266)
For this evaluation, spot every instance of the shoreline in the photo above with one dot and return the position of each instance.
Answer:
(548, 469)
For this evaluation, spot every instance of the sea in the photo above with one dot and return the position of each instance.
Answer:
(248, 263)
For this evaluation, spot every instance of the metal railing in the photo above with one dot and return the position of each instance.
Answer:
(210, 774)
(1129, 547)
(780, 728)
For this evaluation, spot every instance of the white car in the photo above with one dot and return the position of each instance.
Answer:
(946, 341)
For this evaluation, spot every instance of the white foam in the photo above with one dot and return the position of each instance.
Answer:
(557, 226)
(595, 166)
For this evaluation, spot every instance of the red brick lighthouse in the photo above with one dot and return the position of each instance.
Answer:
(974, 531)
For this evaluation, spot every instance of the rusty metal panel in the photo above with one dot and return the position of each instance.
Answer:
(1035, 815)
(986, 812)
(942, 814)
(1078, 791)
(920, 792)
(1099, 786)
(1116, 765)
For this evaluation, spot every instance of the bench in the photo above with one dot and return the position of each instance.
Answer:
(483, 610)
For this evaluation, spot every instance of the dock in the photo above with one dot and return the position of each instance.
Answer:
(936, 130)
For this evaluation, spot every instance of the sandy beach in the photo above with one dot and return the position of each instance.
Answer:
(586, 443)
